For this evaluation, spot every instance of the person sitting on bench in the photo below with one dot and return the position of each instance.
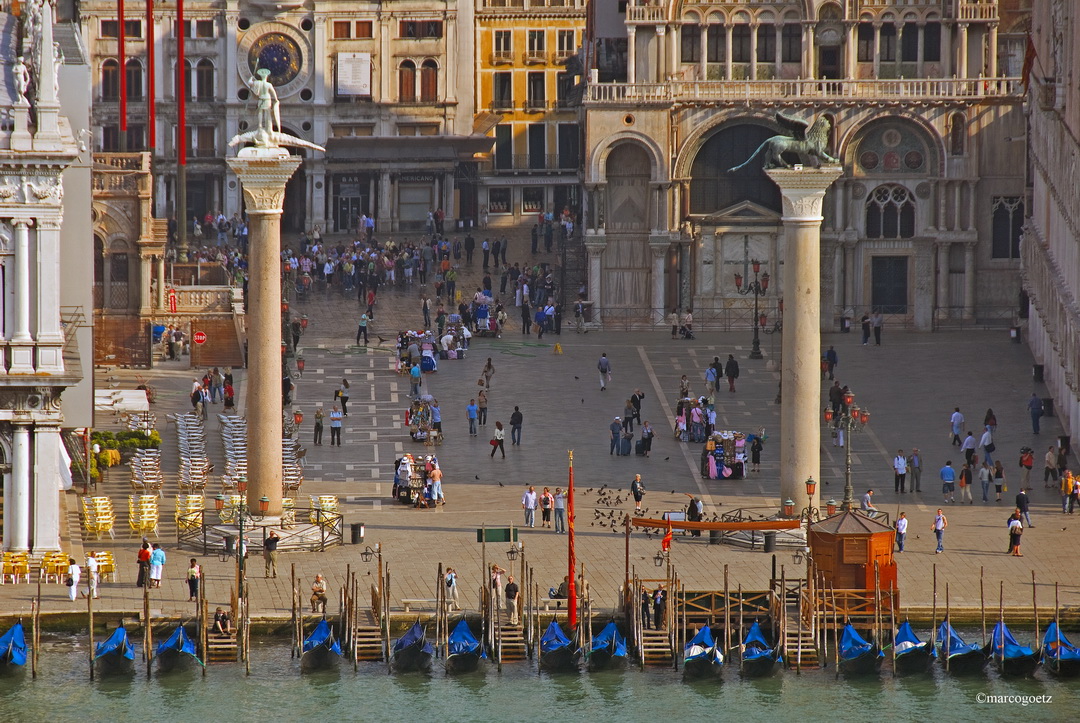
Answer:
(562, 592)
(318, 594)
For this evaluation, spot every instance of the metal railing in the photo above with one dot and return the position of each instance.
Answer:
(539, 162)
(195, 532)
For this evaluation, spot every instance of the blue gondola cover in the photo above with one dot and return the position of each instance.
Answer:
(610, 639)
(117, 643)
(13, 645)
(320, 635)
(463, 642)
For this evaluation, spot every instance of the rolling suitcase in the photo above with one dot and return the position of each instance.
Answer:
(639, 448)
(625, 449)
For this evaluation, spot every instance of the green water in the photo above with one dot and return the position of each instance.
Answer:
(276, 691)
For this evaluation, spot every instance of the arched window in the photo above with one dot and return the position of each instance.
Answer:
(407, 82)
(134, 79)
(429, 81)
(204, 79)
(957, 134)
(890, 213)
(189, 89)
(110, 80)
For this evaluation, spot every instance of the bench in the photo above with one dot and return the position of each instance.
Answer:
(407, 602)
(546, 602)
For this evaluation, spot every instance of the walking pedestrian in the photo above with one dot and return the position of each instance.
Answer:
(986, 473)
(335, 426)
(361, 330)
(615, 430)
(965, 484)
(497, 440)
(901, 531)
(92, 575)
(637, 489)
(604, 367)
(451, 588)
(731, 371)
(865, 329)
(425, 307)
(157, 564)
(968, 447)
(990, 421)
(673, 320)
(1023, 504)
(948, 482)
(560, 511)
(876, 321)
(194, 575)
(999, 479)
(1074, 494)
(1050, 471)
(270, 554)
(755, 453)
(914, 468)
(635, 401)
(1035, 408)
(343, 397)
(1016, 531)
(899, 471)
(956, 423)
(831, 360)
(940, 523)
(515, 426)
(1066, 490)
(143, 560)
(73, 577)
(628, 416)
(487, 373)
(471, 413)
(529, 502)
(547, 503)
(647, 435)
(319, 416)
(415, 380)
(1027, 461)
(481, 408)
(986, 441)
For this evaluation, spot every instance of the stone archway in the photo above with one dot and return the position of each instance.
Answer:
(713, 188)
(630, 214)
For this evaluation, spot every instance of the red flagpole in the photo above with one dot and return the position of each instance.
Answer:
(181, 90)
(571, 590)
(120, 38)
(151, 100)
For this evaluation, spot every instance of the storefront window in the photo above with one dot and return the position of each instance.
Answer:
(532, 200)
(499, 200)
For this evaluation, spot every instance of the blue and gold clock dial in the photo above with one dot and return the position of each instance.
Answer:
(279, 54)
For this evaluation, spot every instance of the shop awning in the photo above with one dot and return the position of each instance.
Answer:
(406, 149)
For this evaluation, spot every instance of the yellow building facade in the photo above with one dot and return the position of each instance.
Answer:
(525, 98)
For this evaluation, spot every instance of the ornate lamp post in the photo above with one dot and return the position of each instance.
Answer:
(758, 288)
(850, 419)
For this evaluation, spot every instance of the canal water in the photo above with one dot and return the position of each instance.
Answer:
(276, 691)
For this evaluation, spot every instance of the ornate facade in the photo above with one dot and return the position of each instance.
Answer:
(44, 211)
(1051, 247)
(923, 97)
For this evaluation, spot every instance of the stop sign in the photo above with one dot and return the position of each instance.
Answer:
(199, 337)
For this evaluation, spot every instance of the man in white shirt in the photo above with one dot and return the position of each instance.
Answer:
(901, 531)
(92, 574)
(528, 503)
(956, 423)
(987, 444)
(899, 464)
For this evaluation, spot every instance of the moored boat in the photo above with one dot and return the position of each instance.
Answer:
(116, 655)
(557, 653)
(1008, 655)
(857, 656)
(911, 655)
(13, 648)
(608, 649)
(464, 651)
(957, 656)
(412, 652)
(758, 659)
(1059, 656)
(702, 657)
(321, 649)
(176, 653)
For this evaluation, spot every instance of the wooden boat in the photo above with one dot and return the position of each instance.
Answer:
(1008, 655)
(13, 649)
(557, 653)
(758, 658)
(412, 652)
(702, 657)
(608, 651)
(464, 651)
(321, 650)
(1059, 656)
(958, 657)
(857, 656)
(912, 655)
(176, 653)
(116, 655)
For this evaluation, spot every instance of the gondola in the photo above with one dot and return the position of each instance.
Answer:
(557, 653)
(412, 651)
(321, 650)
(857, 656)
(912, 656)
(176, 653)
(702, 657)
(13, 649)
(758, 659)
(1008, 655)
(1059, 656)
(464, 651)
(608, 651)
(115, 656)
(957, 656)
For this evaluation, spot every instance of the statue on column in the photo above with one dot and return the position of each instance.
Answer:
(21, 75)
(268, 134)
(808, 141)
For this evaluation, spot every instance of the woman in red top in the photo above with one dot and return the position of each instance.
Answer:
(144, 563)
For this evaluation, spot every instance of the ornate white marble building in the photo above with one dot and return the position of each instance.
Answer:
(1050, 251)
(924, 98)
(44, 215)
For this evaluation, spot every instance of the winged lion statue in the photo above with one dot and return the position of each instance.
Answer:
(806, 140)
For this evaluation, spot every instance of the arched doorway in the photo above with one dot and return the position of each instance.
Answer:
(713, 188)
(628, 219)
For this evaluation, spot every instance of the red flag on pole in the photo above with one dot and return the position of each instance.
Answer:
(121, 37)
(571, 589)
(181, 89)
(665, 544)
(151, 74)
(1029, 61)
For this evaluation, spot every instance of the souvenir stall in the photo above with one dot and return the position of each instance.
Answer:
(418, 419)
(412, 483)
(725, 455)
(694, 418)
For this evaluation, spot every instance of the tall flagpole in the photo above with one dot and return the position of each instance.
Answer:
(571, 590)
(121, 38)
(151, 77)
(181, 139)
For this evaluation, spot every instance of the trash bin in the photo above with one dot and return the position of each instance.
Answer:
(714, 537)
(1014, 334)
(1037, 373)
(357, 530)
(845, 325)
(770, 541)
(1048, 406)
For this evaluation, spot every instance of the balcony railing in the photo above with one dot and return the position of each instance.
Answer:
(978, 10)
(539, 163)
(535, 105)
(502, 57)
(645, 14)
(534, 57)
(902, 90)
(533, 5)
(502, 104)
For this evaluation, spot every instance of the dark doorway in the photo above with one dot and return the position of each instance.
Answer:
(829, 63)
(713, 188)
(889, 284)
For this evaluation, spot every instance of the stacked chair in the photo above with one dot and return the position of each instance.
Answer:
(143, 514)
(98, 516)
(194, 467)
(146, 475)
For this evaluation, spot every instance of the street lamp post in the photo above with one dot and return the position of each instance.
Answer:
(758, 288)
(849, 419)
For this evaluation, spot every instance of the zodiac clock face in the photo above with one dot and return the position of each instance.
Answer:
(279, 54)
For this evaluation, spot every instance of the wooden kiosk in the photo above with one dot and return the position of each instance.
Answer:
(845, 547)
